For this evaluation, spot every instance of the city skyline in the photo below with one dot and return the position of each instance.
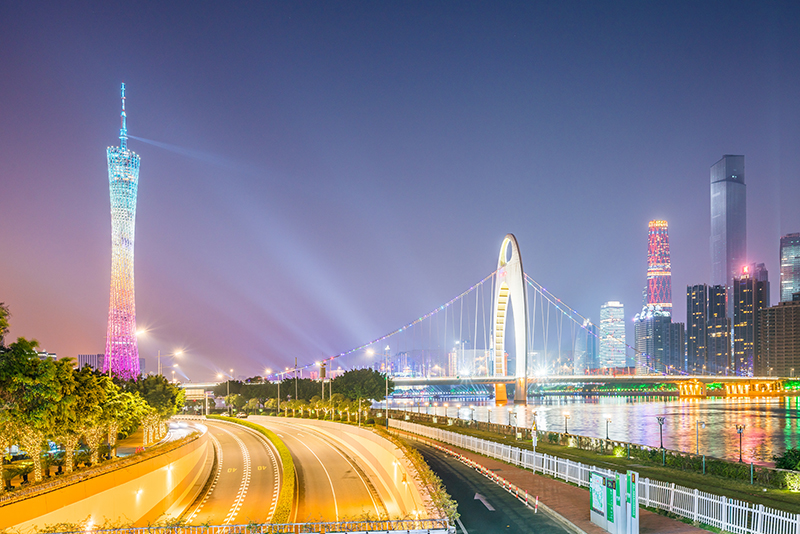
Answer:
(332, 172)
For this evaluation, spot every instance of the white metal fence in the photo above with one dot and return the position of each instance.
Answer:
(727, 514)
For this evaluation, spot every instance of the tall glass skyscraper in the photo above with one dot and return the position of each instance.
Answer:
(728, 221)
(659, 270)
(750, 296)
(612, 335)
(122, 352)
(790, 266)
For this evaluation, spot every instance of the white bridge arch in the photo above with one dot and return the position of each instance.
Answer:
(509, 290)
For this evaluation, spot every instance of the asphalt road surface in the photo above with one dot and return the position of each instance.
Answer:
(484, 506)
(245, 482)
(331, 485)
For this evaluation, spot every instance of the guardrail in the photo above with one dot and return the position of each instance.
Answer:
(418, 526)
(727, 514)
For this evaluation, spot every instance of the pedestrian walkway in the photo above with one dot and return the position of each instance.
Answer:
(570, 502)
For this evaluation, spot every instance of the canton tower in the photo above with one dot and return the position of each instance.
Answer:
(122, 352)
(659, 271)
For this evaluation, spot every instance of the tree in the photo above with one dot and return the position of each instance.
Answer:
(362, 384)
(4, 315)
(788, 460)
(252, 405)
(31, 392)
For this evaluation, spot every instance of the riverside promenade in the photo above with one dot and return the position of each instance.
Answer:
(569, 502)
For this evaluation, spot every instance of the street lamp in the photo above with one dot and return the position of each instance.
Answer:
(489, 414)
(472, 412)
(661, 420)
(566, 418)
(176, 353)
(697, 426)
(608, 420)
(740, 431)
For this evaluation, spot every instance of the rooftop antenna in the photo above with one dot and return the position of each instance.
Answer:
(123, 131)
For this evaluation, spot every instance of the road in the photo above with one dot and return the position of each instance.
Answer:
(332, 485)
(484, 506)
(245, 482)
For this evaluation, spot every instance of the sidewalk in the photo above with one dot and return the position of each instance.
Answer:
(571, 502)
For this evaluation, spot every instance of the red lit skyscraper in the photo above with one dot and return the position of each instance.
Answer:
(659, 271)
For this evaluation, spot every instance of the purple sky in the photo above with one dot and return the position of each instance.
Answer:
(334, 170)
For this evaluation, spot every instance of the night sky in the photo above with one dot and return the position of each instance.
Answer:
(316, 174)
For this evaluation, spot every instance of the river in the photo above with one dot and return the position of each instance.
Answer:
(771, 424)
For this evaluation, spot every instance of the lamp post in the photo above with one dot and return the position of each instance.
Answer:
(608, 420)
(740, 431)
(661, 420)
(697, 426)
(471, 412)
(566, 418)
(176, 353)
(489, 414)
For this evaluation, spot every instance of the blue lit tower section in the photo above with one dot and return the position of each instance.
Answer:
(122, 353)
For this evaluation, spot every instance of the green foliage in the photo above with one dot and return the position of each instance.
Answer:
(788, 460)
(4, 315)
(286, 496)
(362, 384)
(164, 397)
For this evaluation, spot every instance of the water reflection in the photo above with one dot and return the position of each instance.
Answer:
(771, 424)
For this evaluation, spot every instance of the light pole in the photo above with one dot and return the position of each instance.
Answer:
(697, 426)
(740, 431)
(661, 420)
(489, 414)
(608, 420)
(472, 413)
(176, 353)
(566, 418)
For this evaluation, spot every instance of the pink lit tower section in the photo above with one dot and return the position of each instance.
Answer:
(122, 352)
(659, 270)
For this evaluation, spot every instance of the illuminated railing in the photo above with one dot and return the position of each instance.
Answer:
(430, 526)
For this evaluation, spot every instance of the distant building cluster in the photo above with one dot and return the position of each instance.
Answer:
(730, 328)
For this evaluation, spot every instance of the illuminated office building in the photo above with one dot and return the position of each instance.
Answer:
(750, 296)
(612, 335)
(659, 271)
(790, 266)
(728, 221)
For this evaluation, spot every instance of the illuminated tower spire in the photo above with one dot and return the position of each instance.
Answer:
(123, 118)
(122, 353)
(659, 270)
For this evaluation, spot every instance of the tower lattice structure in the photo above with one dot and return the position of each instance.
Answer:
(122, 352)
(659, 269)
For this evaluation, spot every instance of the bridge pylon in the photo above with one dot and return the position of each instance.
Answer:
(509, 290)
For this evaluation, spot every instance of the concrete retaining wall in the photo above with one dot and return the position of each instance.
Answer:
(137, 494)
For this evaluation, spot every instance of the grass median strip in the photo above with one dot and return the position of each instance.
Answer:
(284, 507)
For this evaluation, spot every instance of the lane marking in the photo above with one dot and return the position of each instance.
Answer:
(333, 491)
(349, 462)
(460, 524)
(242, 493)
(479, 497)
(218, 448)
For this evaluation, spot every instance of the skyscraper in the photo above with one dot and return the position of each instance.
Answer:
(778, 349)
(659, 271)
(586, 344)
(719, 332)
(122, 353)
(750, 296)
(728, 220)
(696, 328)
(790, 266)
(612, 335)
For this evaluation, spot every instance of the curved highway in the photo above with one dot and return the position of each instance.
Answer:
(245, 483)
(333, 483)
